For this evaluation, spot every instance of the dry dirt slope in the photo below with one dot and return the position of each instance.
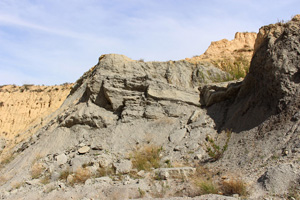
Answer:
(22, 107)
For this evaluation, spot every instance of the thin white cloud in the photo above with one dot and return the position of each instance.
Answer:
(15, 21)
(59, 40)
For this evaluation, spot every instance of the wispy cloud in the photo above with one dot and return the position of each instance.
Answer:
(53, 41)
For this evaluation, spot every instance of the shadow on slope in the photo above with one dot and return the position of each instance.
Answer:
(272, 85)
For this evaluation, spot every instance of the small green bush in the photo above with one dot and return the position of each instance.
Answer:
(214, 150)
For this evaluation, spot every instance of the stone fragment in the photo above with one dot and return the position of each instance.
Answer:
(174, 94)
(84, 149)
(177, 135)
(33, 182)
(154, 112)
(141, 173)
(104, 160)
(122, 166)
(179, 172)
(78, 161)
(280, 178)
(70, 179)
(104, 179)
(61, 159)
(97, 144)
(178, 148)
(194, 116)
(217, 92)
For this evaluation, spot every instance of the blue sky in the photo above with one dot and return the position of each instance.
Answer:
(56, 41)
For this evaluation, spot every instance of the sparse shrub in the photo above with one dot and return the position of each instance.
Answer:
(64, 174)
(203, 180)
(275, 157)
(134, 175)
(207, 187)
(142, 193)
(49, 189)
(162, 191)
(81, 175)
(294, 192)
(46, 179)
(146, 158)
(105, 171)
(168, 163)
(238, 68)
(87, 164)
(6, 160)
(36, 170)
(141, 60)
(37, 158)
(3, 180)
(17, 185)
(214, 150)
(234, 186)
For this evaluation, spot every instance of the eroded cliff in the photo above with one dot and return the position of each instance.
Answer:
(25, 107)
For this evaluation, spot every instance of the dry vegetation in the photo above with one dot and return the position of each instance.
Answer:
(64, 174)
(234, 186)
(146, 158)
(6, 160)
(36, 170)
(209, 182)
(105, 171)
(81, 175)
(17, 185)
(238, 67)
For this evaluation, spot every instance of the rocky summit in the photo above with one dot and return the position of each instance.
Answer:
(170, 130)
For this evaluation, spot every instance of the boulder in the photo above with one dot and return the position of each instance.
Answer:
(165, 92)
(78, 161)
(177, 135)
(122, 166)
(61, 159)
(84, 149)
(178, 172)
(280, 179)
(104, 160)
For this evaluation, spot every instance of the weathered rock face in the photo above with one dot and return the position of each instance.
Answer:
(279, 179)
(272, 85)
(118, 106)
(22, 107)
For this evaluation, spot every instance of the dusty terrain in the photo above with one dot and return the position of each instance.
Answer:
(172, 130)
(25, 107)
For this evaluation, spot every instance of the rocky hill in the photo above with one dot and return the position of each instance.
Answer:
(131, 129)
(25, 107)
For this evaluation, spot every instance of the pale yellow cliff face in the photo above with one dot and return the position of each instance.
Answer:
(22, 107)
(241, 45)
